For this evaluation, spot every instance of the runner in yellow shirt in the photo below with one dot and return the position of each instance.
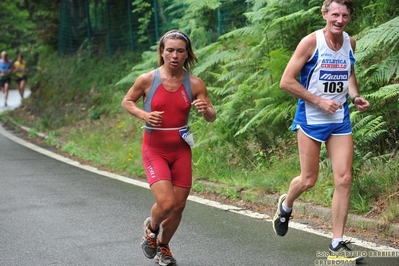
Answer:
(20, 69)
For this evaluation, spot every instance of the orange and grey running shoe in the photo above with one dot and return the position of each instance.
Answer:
(149, 242)
(164, 256)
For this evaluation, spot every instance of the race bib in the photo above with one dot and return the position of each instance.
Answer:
(187, 136)
(333, 82)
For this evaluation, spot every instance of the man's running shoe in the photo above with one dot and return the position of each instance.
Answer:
(281, 218)
(164, 256)
(343, 253)
(149, 241)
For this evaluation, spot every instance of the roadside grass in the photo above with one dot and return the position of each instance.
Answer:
(92, 126)
(391, 213)
(117, 145)
(110, 143)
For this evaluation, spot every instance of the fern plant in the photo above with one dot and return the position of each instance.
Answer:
(144, 9)
(248, 63)
(378, 58)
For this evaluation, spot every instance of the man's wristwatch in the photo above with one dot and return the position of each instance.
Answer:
(354, 98)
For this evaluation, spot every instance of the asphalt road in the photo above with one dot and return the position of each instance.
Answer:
(54, 211)
(14, 100)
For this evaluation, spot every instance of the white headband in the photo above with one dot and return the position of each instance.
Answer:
(175, 32)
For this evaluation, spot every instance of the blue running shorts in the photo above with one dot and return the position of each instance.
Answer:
(322, 132)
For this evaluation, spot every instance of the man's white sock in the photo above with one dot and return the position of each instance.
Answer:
(336, 241)
(285, 208)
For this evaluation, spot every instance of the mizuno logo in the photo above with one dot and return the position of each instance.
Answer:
(334, 75)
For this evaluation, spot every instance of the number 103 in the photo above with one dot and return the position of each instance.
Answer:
(333, 87)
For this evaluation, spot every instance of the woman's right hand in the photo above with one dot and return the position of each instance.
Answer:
(154, 118)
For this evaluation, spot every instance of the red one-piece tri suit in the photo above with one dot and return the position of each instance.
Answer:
(166, 156)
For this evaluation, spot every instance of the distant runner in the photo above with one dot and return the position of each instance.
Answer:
(5, 74)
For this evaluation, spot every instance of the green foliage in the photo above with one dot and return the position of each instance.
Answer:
(392, 211)
(360, 204)
(249, 72)
(83, 88)
(377, 11)
(201, 20)
(51, 139)
(378, 176)
(198, 19)
(382, 43)
(378, 73)
(32, 133)
(143, 8)
(382, 39)
(147, 63)
(15, 25)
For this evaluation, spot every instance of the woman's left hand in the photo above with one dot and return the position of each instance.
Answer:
(201, 105)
